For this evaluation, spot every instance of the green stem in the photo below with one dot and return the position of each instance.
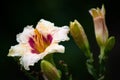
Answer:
(90, 64)
(101, 56)
(101, 63)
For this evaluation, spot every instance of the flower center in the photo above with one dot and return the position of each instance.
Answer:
(38, 42)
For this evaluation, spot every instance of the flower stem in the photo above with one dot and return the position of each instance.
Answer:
(102, 63)
(90, 64)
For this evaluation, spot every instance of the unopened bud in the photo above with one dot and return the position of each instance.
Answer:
(101, 31)
(79, 35)
(50, 71)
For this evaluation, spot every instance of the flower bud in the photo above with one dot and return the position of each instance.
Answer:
(49, 71)
(100, 27)
(109, 44)
(79, 35)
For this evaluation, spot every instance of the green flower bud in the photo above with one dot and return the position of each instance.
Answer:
(101, 31)
(79, 35)
(50, 71)
(110, 44)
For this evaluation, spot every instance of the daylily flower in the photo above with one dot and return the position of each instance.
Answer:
(35, 44)
(101, 30)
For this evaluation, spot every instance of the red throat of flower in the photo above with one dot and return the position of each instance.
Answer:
(38, 42)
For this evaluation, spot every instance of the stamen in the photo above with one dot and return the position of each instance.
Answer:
(38, 42)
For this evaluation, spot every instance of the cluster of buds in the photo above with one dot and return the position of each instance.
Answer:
(105, 42)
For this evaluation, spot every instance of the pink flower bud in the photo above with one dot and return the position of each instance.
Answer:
(100, 27)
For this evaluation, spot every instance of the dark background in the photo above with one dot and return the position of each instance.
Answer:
(16, 14)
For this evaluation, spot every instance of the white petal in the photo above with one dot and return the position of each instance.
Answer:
(46, 23)
(55, 48)
(18, 50)
(29, 59)
(58, 33)
(24, 36)
(61, 34)
(45, 27)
